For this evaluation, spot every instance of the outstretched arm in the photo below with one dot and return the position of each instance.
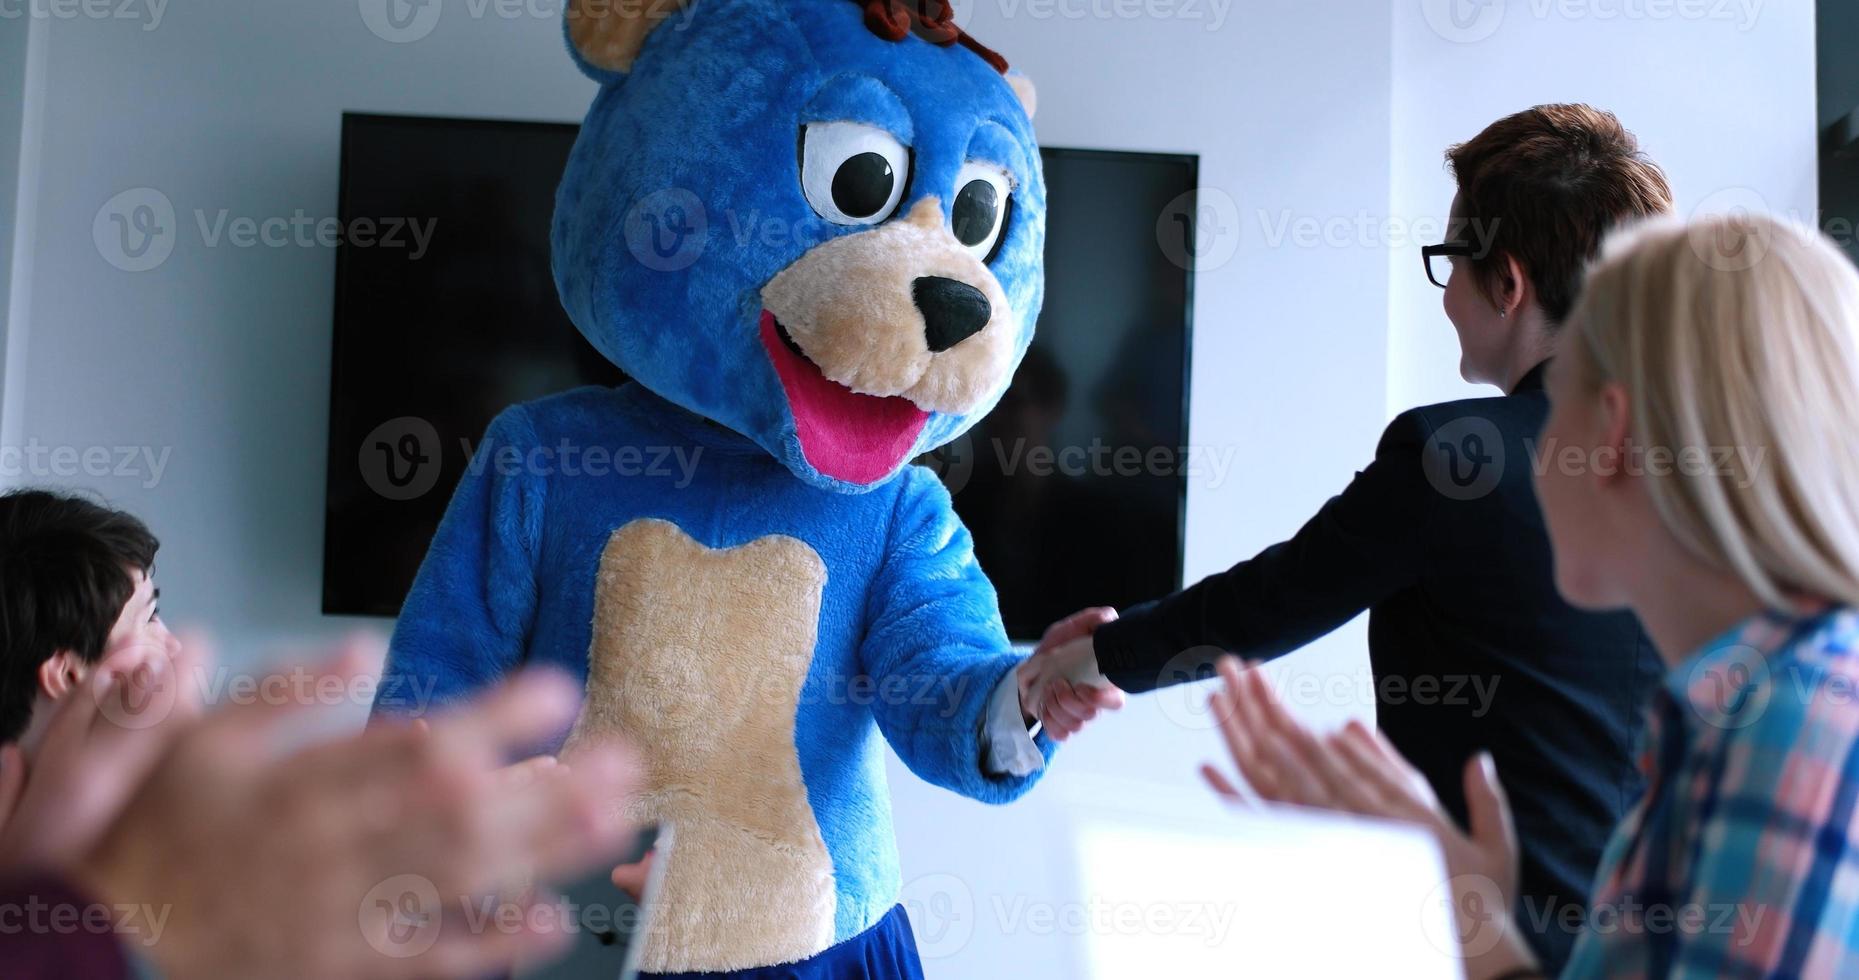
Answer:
(938, 654)
(466, 620)
(1363, 546)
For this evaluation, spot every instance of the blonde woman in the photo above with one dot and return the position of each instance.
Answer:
(1700, 466)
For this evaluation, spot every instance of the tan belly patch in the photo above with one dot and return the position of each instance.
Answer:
(697, 658)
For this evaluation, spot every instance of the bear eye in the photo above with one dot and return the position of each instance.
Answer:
(983, 195)
(852, 174)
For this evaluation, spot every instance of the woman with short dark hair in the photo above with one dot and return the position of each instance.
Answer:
(1440, 540)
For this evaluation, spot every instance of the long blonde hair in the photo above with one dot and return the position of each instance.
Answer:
(1737, 337)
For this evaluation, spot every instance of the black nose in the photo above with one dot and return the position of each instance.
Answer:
(952, 311)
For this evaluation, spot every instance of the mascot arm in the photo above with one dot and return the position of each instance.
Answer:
(467, 616)
(937, 652)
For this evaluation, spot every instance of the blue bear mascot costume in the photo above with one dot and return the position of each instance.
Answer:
(810, 231)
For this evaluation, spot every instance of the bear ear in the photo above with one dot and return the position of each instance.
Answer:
(605, 35)
(1023, 87)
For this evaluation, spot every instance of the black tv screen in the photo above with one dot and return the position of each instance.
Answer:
(1074, 486)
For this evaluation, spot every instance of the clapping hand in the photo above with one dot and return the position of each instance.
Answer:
(373, 844)
(1357, 771)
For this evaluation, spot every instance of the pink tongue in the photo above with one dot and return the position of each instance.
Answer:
(845, 435)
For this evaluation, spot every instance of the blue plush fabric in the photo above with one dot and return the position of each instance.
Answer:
(887, 950)
(711, 111)
(510, 581)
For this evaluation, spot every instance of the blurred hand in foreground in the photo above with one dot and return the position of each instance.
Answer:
(368, 856)
(102, 739)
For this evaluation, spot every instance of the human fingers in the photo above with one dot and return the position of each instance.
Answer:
(1222, 787)
(1066, 697)
(632, 878)
(1081, 623)
(518, 775)
(1229, 714)
(1104, 697)
(1316, 764)
(566, 820)
(1383, 789)
(521, 712)
(1239, 743)
(1488, 809)
(1275, 739)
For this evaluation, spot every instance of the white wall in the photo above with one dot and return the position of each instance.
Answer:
(1721, 94)
(1315, 130)
(14, 36)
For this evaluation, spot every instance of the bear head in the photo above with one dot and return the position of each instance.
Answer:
(818, 223)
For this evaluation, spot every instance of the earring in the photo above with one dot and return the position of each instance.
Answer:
(1502, 314)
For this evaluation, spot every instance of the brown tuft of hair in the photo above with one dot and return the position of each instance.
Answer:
(1547, 184)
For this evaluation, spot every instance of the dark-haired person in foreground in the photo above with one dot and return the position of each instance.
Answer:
(75, 587)
(134, 825)
(1440, 538)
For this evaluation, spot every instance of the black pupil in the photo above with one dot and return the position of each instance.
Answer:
(974, 212)
(863, 184)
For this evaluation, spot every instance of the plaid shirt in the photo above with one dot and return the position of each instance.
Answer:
(1742, 859)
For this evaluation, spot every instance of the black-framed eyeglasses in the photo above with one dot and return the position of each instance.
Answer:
(1438, 259)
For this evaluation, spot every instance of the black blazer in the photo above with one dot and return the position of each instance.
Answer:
(1441, 540)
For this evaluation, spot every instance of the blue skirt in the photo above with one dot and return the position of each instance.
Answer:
(886, 951)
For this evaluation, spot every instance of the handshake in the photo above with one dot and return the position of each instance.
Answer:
(1060, 685)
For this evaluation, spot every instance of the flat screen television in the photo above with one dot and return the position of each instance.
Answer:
(447, 312)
